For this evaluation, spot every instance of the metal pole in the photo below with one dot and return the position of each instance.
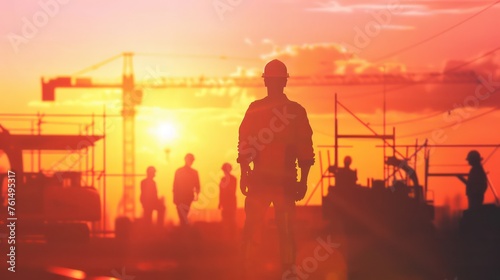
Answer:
(336, 159)
(416, 157)
(426, 168)
(32, 152)
(321, 170)
(104, 167)
(39, 133)
(393, 168)
(329, 178)
(386, 168)
(87, 156)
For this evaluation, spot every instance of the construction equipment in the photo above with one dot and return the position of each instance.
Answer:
(54, 203)
(382, 208)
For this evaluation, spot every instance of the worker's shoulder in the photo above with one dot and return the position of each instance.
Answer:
(147, 182)
(297, 105)
(180, 169)
(258, 102)
(294, 108)
(266, 102)
(186, 169)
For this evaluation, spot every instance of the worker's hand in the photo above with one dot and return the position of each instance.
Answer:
(462, 179)
(300, 190)
(245, 182)
(196, 196)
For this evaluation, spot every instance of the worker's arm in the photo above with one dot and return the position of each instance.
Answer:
(245, 177)
(305, 152)
(246, 153)
(304, 173)
(462, 178)
(302, 184)
(175, 186)
(221, 186)
(142, 192)
(197, 186)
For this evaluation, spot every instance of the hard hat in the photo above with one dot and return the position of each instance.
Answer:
(227, 167)
(474, 155)
(275, 69)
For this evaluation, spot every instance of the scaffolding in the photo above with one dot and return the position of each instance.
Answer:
(389, 144)
(78, 157)
(389, 147)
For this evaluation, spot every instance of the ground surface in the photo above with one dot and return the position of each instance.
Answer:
(212, 251)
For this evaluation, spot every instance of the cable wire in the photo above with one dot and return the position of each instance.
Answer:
(391, 54)
(221, 57)
(409, 120)
(97, 65)
(448, 71)
(449, 125)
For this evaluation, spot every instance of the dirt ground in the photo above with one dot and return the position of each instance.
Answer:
(212, 251)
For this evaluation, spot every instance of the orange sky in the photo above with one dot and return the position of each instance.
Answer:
(50, 37)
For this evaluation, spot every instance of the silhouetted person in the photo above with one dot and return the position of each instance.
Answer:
(477, 182)
(274, 135)
(227, 195)
(345, 176)
(150, 200)
(186, 188)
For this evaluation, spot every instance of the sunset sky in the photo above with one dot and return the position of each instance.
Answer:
(48, 38)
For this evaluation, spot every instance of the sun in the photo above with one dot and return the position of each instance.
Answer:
(166, 132)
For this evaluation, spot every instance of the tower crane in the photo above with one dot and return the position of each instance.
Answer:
(132, 93)
(131, 97)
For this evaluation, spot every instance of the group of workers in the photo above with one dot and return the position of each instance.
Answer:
(275, 138)
(186, 189)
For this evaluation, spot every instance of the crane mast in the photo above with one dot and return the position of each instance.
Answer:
(129, 102)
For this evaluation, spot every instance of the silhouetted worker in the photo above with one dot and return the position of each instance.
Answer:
(227, 195)
(150, 200)
(477, 182)
(186, 188)
(345, 176)
(274, 135)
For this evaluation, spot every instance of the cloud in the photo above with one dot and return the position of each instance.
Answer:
(246, 72)
(332, 7)
(407, 8)
(109, 98)
(444, 94)
(248, 41)
(397, 27)
(489, 65)
(326, 59)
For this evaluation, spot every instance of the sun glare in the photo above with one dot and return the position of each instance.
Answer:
(166, 132)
